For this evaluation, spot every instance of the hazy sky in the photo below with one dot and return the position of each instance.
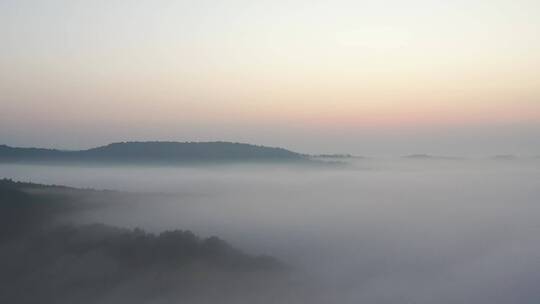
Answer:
(366, 77)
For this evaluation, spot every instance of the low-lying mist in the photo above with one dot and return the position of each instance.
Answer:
(372, 231)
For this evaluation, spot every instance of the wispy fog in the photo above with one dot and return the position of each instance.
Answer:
(373, 231)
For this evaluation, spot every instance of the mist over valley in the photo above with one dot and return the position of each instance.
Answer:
(439, 229)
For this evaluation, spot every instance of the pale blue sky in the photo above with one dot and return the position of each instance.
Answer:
(366, 77)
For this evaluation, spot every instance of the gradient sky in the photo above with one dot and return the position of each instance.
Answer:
(364, 77)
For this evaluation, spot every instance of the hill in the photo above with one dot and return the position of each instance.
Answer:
(46, 261)
(154, 152)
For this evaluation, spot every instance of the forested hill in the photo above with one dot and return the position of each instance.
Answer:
(48, 260)
(154, 152)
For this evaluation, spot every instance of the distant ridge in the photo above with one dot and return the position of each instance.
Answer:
(342, 156)
(505, 157)
(427, 156)
(154, 152)
(418, 156)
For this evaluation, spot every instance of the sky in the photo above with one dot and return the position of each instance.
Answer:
(362, 77)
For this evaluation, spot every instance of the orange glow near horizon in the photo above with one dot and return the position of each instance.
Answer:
(250, 65)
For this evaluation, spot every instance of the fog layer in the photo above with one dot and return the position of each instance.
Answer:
(394, 231)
